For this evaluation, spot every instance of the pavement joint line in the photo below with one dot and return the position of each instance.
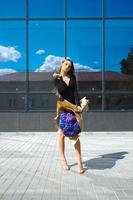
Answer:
(107, 158)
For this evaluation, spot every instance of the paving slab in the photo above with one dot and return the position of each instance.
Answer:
(30, 167)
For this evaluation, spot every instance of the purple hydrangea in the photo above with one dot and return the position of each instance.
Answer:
(69, 124)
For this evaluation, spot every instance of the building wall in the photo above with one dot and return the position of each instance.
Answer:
(43, 122)
(35, 36)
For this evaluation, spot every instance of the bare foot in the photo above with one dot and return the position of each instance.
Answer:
(64, 164)
(80, 168)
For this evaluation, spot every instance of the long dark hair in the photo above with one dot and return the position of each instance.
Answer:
(71, 73)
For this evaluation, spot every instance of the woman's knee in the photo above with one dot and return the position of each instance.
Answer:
(61, 135)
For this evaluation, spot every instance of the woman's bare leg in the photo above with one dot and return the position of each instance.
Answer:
(78, 155)
(62, 149)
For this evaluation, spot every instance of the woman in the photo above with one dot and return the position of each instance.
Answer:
(65, 83)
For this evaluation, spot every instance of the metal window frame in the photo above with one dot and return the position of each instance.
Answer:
(27, 93)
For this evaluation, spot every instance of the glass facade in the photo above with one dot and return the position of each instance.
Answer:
(12, 9)
(89, 8)
(44, 8)
(36, 35)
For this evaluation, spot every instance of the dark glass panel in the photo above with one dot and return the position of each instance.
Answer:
(84, 8)
(46, 48)
(119, 8)
(44, 8)
(12, 56)
(12, 101)
(119, 55)
(119, 101)
(45, 102)
(12, 8)
(84, 47)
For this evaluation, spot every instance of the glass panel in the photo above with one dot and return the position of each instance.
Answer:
(41, 81)
(119, 101)
(119, 7)
(89, 81)
(119, 55)
(51, 8)
(85, 49)
(12, 101)
(12, 8)
(46, 47)
(118, 81)
(45, 102)
(12, 56)
(95, 100)
(77, 8)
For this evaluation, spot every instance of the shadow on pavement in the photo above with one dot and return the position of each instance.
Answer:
(105, 161)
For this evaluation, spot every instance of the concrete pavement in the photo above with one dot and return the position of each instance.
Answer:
(30, 167)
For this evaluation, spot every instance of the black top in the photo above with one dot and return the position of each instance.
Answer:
(68, 92)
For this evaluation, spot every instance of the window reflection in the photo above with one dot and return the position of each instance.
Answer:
(45, 101)
(82, 41)
(85, 48)
(119, 102)
(12, 56)
(12, 101)
(119, 55)
(50, 8)
(89, 8)
(12, 8)
(46, 46)
(89, 81)
(119, 8)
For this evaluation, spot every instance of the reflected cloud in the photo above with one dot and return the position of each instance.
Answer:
(7, 71)
(9, 54)
(86, 68)
(40, 52)
(52, 63)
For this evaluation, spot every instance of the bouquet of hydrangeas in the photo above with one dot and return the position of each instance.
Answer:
(69, 124)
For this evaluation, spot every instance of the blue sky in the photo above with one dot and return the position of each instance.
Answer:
(46, 38)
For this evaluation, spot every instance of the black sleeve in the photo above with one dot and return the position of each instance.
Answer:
(77, 100)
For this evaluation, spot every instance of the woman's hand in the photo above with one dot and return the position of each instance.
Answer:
(79, 109)
(56, 75)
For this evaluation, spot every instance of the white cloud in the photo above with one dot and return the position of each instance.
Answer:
(52, 63)
(7, 71)
(9, 54)
(40, 51)
(80, 67)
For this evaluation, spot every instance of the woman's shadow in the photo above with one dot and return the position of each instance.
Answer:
(105, 161)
